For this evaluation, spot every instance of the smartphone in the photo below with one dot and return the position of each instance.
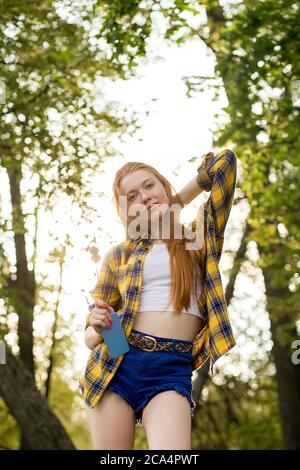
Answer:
(115, 338)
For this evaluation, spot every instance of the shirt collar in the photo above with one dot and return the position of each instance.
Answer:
(143, 239)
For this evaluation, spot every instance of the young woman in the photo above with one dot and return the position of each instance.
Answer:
(171, 303)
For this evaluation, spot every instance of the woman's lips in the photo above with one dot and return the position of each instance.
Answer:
(153, 205)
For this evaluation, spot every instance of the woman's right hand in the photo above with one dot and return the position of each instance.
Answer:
(100, 316)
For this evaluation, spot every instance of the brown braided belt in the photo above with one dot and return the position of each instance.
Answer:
(150, 344)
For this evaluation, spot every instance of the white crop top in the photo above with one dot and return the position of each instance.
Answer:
(157, 283)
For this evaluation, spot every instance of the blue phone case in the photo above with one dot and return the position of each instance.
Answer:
(115, 338)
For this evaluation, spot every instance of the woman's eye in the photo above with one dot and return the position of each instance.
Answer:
(130, 198)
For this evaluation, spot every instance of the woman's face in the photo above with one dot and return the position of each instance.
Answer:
(142, 187)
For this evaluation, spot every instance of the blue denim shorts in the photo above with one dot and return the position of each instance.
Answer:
(143, 374)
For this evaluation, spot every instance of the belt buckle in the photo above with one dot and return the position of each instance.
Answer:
(155, 344)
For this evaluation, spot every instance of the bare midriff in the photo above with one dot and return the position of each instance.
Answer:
(184, 326)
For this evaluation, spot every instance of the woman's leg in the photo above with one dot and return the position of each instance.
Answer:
(167, 421)
(111, 423)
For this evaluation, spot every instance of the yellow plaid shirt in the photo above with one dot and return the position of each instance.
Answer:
(120, 281)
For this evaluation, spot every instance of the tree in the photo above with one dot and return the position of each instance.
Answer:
(52, 133)
(43, 429)
(255, 46)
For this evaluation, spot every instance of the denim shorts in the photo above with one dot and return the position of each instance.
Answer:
(143, 374)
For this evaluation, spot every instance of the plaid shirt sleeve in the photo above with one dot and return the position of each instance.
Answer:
(217, 173)
(106, 288)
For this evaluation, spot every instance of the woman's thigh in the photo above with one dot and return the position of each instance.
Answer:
(167, 421)
(111, 423)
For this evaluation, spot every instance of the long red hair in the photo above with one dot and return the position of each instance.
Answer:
(185, 265)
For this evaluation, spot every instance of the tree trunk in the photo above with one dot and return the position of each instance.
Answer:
(24, 287)
(288, 374)
(30, 409)
(281, 314)
(55, 323)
